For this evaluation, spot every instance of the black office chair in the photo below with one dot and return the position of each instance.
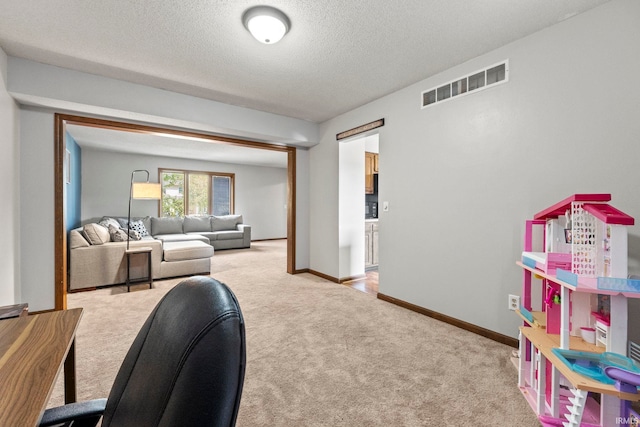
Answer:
(185, 368)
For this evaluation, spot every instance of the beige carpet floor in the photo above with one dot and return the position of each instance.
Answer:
(319, 353)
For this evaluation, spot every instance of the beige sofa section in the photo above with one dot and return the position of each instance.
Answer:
(179, 247)
(92, 266)
(100, 265)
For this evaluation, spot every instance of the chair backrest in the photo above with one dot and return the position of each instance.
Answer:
(186, 366)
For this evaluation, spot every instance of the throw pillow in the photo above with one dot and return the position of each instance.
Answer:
(139, 227)
(133, 235)
(194, 224)
(107, 221)
(166, 225)
(96, 234)
(146, 220)
(117, 234)
(76, 240)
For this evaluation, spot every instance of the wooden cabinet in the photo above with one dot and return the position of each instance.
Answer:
(370, 168)
(371, 244)
(374, 243)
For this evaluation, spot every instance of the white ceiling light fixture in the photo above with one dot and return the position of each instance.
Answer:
(267, 24)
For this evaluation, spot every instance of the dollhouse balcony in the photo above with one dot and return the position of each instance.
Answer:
(547, 262)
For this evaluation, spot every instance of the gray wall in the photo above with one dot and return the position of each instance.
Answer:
(261, 192)
(463, 176)
(9, 177)
(36, 209)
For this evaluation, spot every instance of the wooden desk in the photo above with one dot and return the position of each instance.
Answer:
(32, 350)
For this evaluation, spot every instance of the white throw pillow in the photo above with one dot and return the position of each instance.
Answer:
(96, 234)
(117, 234)
(107, 221)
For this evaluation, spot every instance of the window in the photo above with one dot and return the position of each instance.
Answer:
(198, 200)
(196, 193)
(172, 201)
(221, 195)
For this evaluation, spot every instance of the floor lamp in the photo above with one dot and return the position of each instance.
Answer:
(141, 190)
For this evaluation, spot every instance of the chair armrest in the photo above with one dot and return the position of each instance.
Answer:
(84, 414)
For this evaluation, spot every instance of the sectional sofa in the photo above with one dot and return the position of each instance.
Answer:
(179, 247)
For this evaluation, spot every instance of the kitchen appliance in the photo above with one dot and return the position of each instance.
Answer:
(371, 210)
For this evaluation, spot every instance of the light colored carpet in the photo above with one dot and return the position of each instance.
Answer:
(319, 353)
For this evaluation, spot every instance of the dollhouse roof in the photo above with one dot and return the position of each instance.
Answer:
(608, 214)
(561, 207)
(604, 212)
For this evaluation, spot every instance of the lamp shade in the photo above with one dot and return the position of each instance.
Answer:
(267, 24)
(146, 190)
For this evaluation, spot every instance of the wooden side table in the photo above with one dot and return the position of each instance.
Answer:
(139, 250)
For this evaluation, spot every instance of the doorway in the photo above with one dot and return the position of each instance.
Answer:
(372, 227)
(60, 203)
(358, 212)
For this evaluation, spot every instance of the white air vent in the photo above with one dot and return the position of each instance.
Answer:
(474, 82)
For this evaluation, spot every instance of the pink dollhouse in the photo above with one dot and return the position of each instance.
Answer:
(573, 342)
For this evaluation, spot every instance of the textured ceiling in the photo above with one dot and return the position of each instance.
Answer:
(338, 55)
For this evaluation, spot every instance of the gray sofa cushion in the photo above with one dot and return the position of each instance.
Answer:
(211, 235)
(225, 222)
(228, 235)
(166, 225)
(179, 251)
(181, 237)
(193, 224)
(96, 234)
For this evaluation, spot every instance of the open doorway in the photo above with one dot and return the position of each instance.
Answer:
(61, 175)
(359, 178)
(372, 227)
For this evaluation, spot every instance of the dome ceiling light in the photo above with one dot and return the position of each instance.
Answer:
(267, 24)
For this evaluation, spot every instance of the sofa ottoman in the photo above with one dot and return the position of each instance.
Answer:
(185, 258)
